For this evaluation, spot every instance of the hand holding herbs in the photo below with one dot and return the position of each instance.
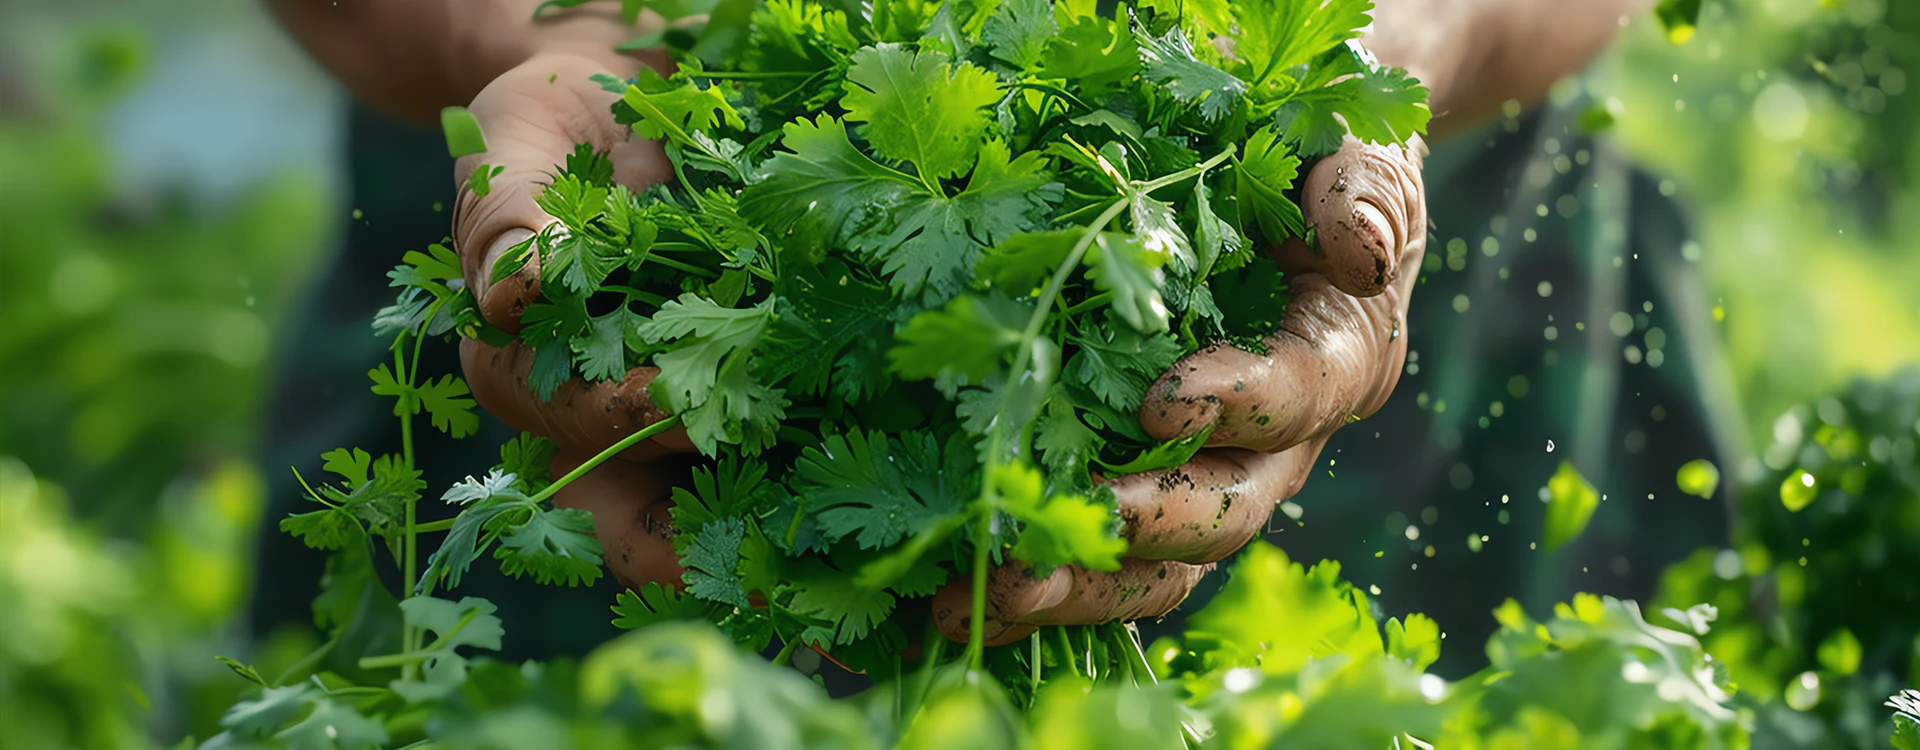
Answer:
(939, 288)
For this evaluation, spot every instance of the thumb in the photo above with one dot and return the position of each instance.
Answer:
(533, 116)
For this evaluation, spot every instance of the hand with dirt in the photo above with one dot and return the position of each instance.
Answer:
(1340, 348)
(1336, 358)
(526, 80)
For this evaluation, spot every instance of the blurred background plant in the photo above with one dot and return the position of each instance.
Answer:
(167, 186)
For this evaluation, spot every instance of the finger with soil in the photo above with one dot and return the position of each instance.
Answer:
(581, 417)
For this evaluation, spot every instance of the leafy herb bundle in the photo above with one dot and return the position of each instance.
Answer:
(919, 267)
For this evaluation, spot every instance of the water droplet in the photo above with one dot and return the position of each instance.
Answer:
(1804, 692)
(1549, 446)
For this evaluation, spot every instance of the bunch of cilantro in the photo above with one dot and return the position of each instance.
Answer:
(921, 262)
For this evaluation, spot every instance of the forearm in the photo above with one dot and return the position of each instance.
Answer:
(1477, 54)
(410, 58)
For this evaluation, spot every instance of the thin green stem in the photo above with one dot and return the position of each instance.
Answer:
(750, 75)
(1034, 641)
(1138, 656)
(611, 451)
(786, 652)
(1089, 303)
(1184, 174)
(433, 526)
(1066, 649)
(996, 439)
(684, 267)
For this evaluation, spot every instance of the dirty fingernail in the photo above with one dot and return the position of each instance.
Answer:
(1378, 227)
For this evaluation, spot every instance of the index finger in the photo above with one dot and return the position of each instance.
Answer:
(533, 116)
(1336, 356)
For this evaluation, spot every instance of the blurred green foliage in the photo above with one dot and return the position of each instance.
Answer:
(139, 326)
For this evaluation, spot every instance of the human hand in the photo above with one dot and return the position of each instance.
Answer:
(1336, 358)
(532, 117)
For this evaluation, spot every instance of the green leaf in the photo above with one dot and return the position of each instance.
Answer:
(246, 671)
(701, 376)
(1698, 477)
(1171, 63)
(351, 465)
(1122, 265)
(555, 546)
(919, 108)
(1840, 652)
(678, 110)
(713, 563)
(1058, 529)
(1065, 443)
(1118, 363)
(1416, 641)
(602, 353)
(449, 408)
(462, 131)
(936, 240)
(333, 725)
(1570, 504)
(481, 180)
(879, 491)
(1018, 32)
(1276, 35)
(822, 188)
(1020, 264)
(468, 622)
(1096, 52)
(1263, 174)
(328, 529)
(1276, 614)
(970, 338)
(1165, 455)
(1906, 732)
(1377, 105)
(1252, 301)
(834, 596)
(527, 457)
(653, 604)
(266, 714)
(729, 488)
(830, 329)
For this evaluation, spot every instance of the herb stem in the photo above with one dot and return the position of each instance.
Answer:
(611, 451)
(1089, 303)
(786, 652)
(433, 526)
(1184, 174)
(683, 267)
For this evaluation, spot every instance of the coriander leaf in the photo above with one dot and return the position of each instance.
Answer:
(1166, 455)
(468, 622)
(550, 330)
(602, 353)
(653, 604)
(1570, 504)
(527, 457)
(572, 200)
(333, 725)
(1096, 52)
(449, 408)
(556, 546)
(730, 487)
(471, 490)
(1276, 614)
(327, 529)
(351, 465)
(1276, 35)
(1377, 105)
(1170, 62)
(590, 165)
(833, 596)
(713, 563)
(822, 188)
(462, 130)
(970, 337)
(1058, 529)
(708, 341)
(1117, 363)
(919, 108)
(937, 240)
(677, 109)
(1065, 443)
(1262, 175)
(490, 506)
(1252, 301)
(1218, 245)
(1416, 641)
(824, 311)
(862, 484)
(1018, 32)
(1019, 264)
(1122, 265)
(274, 708)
